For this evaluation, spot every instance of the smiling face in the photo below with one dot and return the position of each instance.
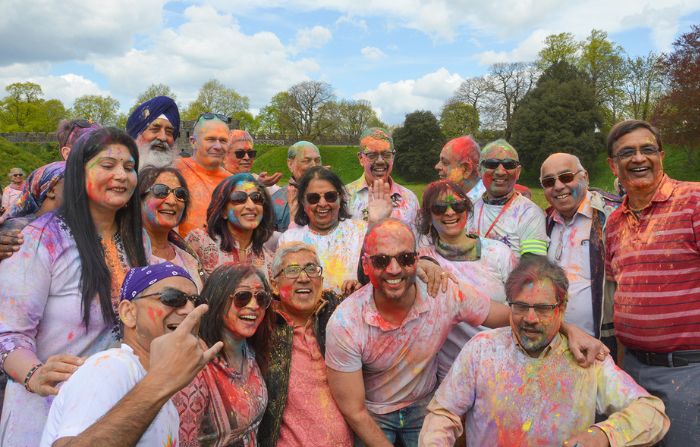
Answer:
(564, 197)
(16, 176)
(638, 173)
(533, 331)
(381, 167)
(499, 182)
(298, 296)
(450, 166)
(210, 144)
(243, 322)
(163, 213)
(307, 157)
(236, 165)
(450, 224)
(393, 282)
(244, 216)
(323, 216)
(110, 178)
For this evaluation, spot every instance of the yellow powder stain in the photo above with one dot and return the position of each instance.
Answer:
(527, 425)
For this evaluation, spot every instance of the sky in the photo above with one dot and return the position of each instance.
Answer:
(401, 55)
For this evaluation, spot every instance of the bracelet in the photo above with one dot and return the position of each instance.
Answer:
(29, 375)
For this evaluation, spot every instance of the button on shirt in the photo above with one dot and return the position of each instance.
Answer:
(405, 202)
(569, 247)
(398, 362)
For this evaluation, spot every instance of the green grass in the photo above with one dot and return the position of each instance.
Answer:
(27, 156)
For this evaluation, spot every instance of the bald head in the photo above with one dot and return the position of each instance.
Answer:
(390, 228)
(565, 183)
(561, 158)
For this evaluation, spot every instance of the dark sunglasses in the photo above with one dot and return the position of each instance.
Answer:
(441, 207)
(83, 124)
(211, 116)
(405, 259)
(312, 198)
(17, 175)
(493, 163)
(238, 197)
(175, 298)
(241, 153)
(564, 177)
(243, 297)
(161, 191)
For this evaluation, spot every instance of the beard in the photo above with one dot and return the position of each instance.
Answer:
(157, 153)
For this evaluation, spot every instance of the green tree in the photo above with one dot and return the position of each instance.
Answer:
(418, 140)
(215, 97)
(644, 85)
(353, 118)
(102, 109)
(601, 60)
(20, 105)
(457, 119)
(560, 47)
(559, 115)
(151, 92)
(48, 114)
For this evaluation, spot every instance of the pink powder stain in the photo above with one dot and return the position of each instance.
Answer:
(151, 314)
(70, 336)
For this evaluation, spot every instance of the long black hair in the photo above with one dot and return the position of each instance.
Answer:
(218, 226)
(95, 277)
(148, 176)
(320, 173)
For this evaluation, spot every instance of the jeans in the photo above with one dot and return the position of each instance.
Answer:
(402, 425)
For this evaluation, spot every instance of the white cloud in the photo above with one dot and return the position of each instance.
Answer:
(393, 100)
(526, 51)
(351, 21)
(315, 37)
(372, 53)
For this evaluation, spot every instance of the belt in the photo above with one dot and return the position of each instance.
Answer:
(668, 359)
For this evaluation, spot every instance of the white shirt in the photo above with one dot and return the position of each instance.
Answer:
(477, 191)
(97, 386)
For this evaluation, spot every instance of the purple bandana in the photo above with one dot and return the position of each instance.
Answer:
(140, 278)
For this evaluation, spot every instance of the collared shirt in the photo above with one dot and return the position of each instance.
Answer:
(281, 207)
(405, 202)
(477, 191)
(521, 226)
(510, 398)
(569, 247)
(655, 260)
(398, 362)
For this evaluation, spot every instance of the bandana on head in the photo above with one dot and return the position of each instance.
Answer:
(37, 186)
(78, 132)
(151, 110)
(376, 133)
(139, 279)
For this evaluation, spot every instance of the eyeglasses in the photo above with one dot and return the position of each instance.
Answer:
(175, 298)
(238, 197)
(240, 154)
(493, 163)
(373, 156)
(211, 116)
(405, 259)
(17, 175)
(243, 297)
(161, 191)
(441, 207)
(293, 271)
(542, 310)
(647, 151)
(564, 177)
(83, 124)
(312, 198)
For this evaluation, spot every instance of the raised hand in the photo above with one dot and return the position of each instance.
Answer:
(269, 180)
(379, 206)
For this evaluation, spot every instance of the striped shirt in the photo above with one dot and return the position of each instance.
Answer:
(655, 260)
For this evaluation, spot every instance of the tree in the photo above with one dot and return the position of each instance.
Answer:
(457, 119)
(678, 110)
(471, 91)
(102, 109)
(508, 83)
(418, 140)
(20, 104)
(643, 85)
(600, 60)
(558, 48)
(354, 117)
(151, 92)
(559, 115)
(306, 101)
(215, 97)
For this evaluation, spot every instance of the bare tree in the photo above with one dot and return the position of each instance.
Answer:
(507, 84)
(471, 91)
(644, 84)
(305, 107)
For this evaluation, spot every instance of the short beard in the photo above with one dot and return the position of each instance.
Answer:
(150, 156)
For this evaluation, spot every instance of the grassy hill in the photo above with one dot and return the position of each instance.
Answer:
(27, 156)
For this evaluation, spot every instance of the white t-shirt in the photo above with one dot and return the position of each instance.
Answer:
(97, 386)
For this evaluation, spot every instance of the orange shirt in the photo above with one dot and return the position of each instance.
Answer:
(201, 183)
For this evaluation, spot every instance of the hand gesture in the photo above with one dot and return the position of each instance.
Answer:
(292, 200)
(436, 278)
(349, 286)
(10, 242)
(269, 180)
(57, 369)
(380, 205)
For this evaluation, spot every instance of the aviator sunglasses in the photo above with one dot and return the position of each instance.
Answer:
(441, 207)
(492, 163)
(243, 297)
(564, 177)
(312, 198)
(211, 116)
(161, 191)
(238, 197)
(405, 259)
(240, 154)
(175, 298)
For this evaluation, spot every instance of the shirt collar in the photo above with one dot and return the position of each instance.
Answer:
(662, 194)
(372, 317)
(584, 208)
(362, 183)
(277, 308)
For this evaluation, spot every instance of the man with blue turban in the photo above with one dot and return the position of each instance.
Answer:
(155, 125)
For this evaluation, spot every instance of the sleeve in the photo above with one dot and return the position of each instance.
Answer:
(609, 274)
(533, 238)
(26, 284)
(696, 220)
(342, 351)
(468, 304)
(635, 417)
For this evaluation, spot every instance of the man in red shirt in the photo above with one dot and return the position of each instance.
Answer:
(653, 258)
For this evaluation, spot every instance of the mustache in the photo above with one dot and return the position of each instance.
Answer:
(159, 144)
(531, 327)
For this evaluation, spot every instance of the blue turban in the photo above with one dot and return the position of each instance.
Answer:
(147, 112)
(139, 279)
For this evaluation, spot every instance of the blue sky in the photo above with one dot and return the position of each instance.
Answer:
(401, 55)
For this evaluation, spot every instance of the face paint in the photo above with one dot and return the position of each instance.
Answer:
(165, 213)
(243, 322)
(110, 178)
(244, 216)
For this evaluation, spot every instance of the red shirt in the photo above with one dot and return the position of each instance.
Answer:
(655, 260)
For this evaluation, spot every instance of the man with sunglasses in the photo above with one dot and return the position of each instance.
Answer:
(124, 393)
(520, 386)
(459, 163)
(502, 213)
(240, 157)
(653, 260)
(576, 224)
(155, 125)
(376, 157)
(204, 170)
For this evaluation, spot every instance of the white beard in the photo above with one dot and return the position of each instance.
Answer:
(154, 157)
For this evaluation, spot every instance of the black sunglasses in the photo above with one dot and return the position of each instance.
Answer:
(312, 198)
(241, 153)
(441, 207)
(83, 124)
(405, 259)
(243, 297)
(161, 191)
(238, 197)
(564, 177)
(175, 298)
(493, 163)
(211, 116)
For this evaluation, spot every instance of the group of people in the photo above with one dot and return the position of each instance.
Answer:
(149, 299)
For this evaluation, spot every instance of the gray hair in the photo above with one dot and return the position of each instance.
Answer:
(16, 171)
(533, 269)
(287, 248)
(294, 149)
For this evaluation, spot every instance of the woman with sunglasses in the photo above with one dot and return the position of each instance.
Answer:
(224, 404)
(240, 226)
(323, 221)
(164, 203)
(12, 192)
(482, 263)
(59, 293)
